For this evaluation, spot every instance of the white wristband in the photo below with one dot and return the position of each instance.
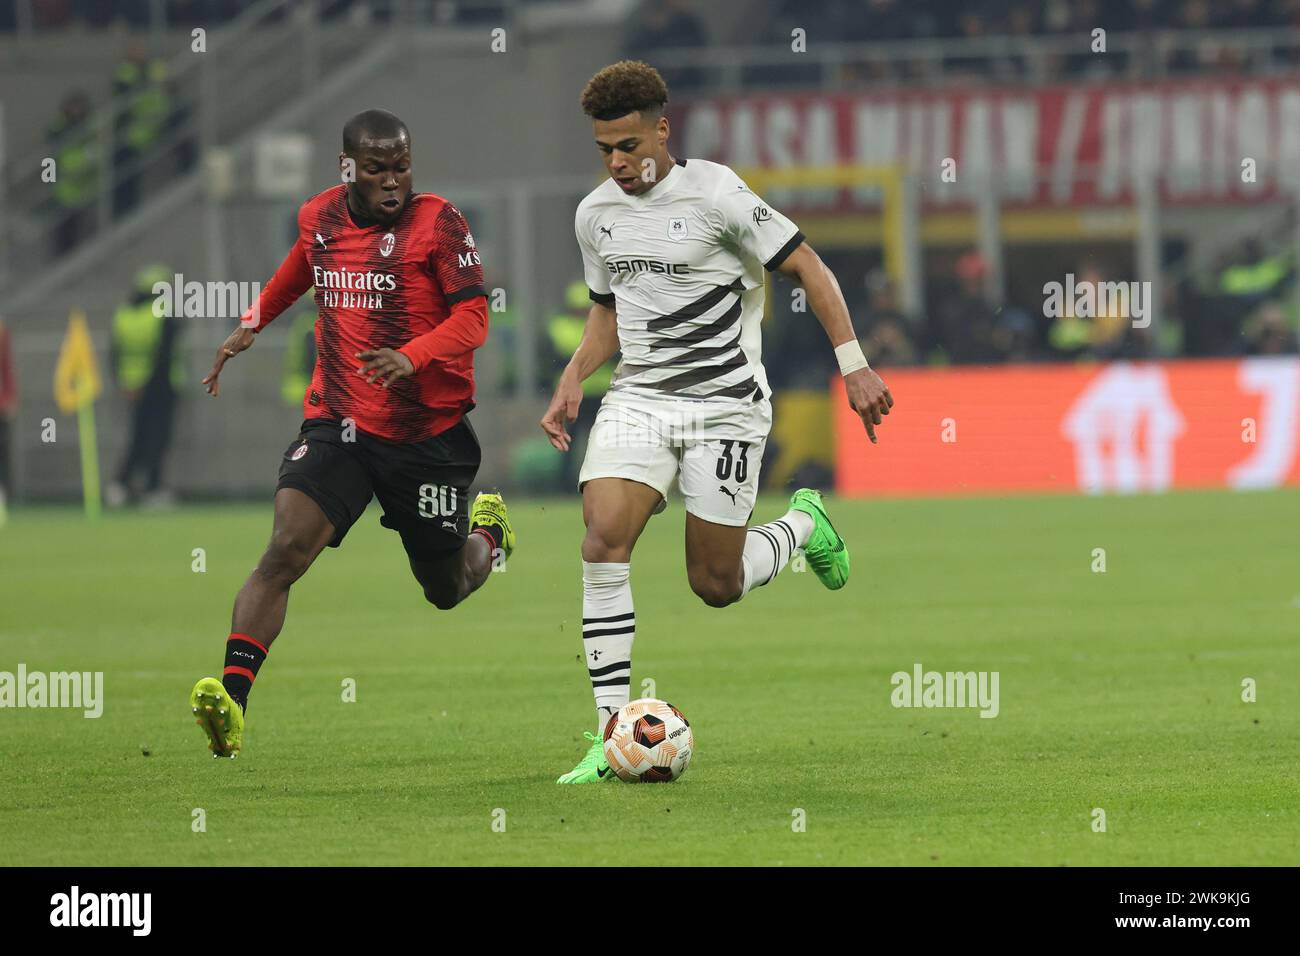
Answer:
(850, 357)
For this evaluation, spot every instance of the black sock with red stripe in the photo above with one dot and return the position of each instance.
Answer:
(493, 534)
(244, 655)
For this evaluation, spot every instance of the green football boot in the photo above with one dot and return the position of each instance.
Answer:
(825, 550)
(593, 768)
(489, 510)
(220, 717)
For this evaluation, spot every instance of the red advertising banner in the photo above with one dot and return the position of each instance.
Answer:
(1121, 427)
(1211, 140)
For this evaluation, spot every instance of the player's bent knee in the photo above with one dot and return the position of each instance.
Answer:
(441, 599)
(444, 595)
(716, 591)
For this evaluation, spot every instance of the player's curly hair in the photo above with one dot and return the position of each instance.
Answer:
(624, 87)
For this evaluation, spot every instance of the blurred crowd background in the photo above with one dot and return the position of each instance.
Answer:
(177, 160)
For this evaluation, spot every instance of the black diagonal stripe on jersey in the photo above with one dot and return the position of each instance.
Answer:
(689, 357)
(703, 333)
(676, 383)
(698, 355)
(739, 390)
(695, 309)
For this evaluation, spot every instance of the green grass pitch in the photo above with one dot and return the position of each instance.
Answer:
(1119, 690)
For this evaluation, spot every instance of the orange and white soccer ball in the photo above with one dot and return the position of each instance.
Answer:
(649, 741)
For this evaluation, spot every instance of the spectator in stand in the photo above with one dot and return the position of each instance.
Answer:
(75, 149)
(815, 18)
(1022, 25)
(1106, 335)
(1107, 326)
(668, 25)
(1086, 16)
(1200, 57)
(962, 325)
(972, 25)
(1143, 16)
(1256, 274)
(879, 21)
(1243, 14)
(886, 337)
(1268, 332)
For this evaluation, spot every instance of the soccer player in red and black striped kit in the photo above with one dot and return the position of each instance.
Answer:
(399, 289)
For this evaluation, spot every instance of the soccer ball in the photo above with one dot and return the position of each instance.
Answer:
(649, 741)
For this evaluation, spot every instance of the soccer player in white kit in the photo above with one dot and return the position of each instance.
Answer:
(674, 253)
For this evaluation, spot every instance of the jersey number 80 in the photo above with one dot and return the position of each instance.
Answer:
(437, 501)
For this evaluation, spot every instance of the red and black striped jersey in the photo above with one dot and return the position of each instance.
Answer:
(414, 285)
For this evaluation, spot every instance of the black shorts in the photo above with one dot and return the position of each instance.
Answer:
(422, 486)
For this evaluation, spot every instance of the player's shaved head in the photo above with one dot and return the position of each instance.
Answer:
(376, 165)
(373, 126)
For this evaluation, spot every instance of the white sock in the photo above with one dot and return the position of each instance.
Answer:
(602, 718)
(768, 547)
(608, 627)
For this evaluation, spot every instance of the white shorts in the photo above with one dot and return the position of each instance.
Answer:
(713, 449)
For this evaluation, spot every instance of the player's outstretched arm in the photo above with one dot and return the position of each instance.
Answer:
(599, 343)
(867, 394)
(290, 281)
(239, 340)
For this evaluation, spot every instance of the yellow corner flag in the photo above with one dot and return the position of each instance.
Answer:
(76, 386)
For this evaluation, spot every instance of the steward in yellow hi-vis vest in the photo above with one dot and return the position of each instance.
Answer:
(75, 149)
(140, 90)
(564, 333)
(148, 368)
(299, 359)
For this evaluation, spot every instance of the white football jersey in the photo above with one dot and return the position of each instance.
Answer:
(683, 267)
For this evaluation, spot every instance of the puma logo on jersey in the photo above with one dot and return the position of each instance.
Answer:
(321, 240)
(729, 493)
(607, 230)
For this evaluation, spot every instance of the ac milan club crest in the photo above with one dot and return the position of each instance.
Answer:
(298, 452)
(386, 244)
